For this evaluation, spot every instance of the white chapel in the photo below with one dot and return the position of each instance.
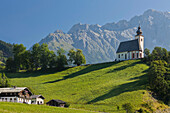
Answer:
(133, 49)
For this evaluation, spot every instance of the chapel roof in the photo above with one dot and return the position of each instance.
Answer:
(132, 45)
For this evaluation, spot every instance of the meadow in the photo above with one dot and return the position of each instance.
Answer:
(7, 107)
(100, 87)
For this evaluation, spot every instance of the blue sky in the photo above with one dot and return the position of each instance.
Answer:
(28, 21)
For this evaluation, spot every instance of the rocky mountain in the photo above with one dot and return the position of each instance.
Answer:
(99, 43)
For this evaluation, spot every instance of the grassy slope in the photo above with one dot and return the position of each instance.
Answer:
(6, 107)
(100, 87)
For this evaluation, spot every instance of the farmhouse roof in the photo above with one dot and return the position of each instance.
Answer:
(58, 101)
(17, 89)
(37, 96)
(132, 45)
(13, 89)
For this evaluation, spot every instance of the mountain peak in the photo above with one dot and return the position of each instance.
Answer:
(78, 27)
(151, 12)
(121, 25)
(58, 31)
(95, 25)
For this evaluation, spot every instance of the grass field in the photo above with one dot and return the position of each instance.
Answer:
(100, 87)
(6, 107)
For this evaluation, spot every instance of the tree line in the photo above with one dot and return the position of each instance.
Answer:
(159, 72)
(4, 82)
(40, 57)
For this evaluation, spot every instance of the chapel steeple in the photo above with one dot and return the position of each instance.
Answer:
(132, 49)
(139, 31)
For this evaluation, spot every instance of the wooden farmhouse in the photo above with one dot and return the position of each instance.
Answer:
(58, 103)
(20, 95)
(133, 49)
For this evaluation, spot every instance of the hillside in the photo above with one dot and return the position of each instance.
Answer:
(6, 107)
(99, 87)
(5, 50)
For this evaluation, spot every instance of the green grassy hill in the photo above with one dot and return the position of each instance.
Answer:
(7, 107)
(100, 87)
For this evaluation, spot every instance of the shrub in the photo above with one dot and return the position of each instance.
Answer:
(128, 107)
(67, 105)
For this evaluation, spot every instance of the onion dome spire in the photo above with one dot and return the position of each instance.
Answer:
(139, 31)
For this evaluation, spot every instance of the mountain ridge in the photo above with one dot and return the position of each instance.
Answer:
(99, 43)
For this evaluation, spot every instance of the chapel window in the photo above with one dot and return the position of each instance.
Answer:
(133, 55)
(140, 55)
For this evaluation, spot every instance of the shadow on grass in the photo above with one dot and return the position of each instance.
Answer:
(140, 77)
(124, 67)
(132, 86)
(90, 68)
(33, 73)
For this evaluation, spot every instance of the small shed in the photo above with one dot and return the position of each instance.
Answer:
(56, 102)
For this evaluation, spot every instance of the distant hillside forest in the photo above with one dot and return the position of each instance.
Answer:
(5, 50)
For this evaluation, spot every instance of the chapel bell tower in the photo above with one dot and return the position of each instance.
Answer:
(140, 38)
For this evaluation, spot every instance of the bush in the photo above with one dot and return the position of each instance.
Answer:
(67, 105)
(128, 107)
(148, 106)
(141, 110)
